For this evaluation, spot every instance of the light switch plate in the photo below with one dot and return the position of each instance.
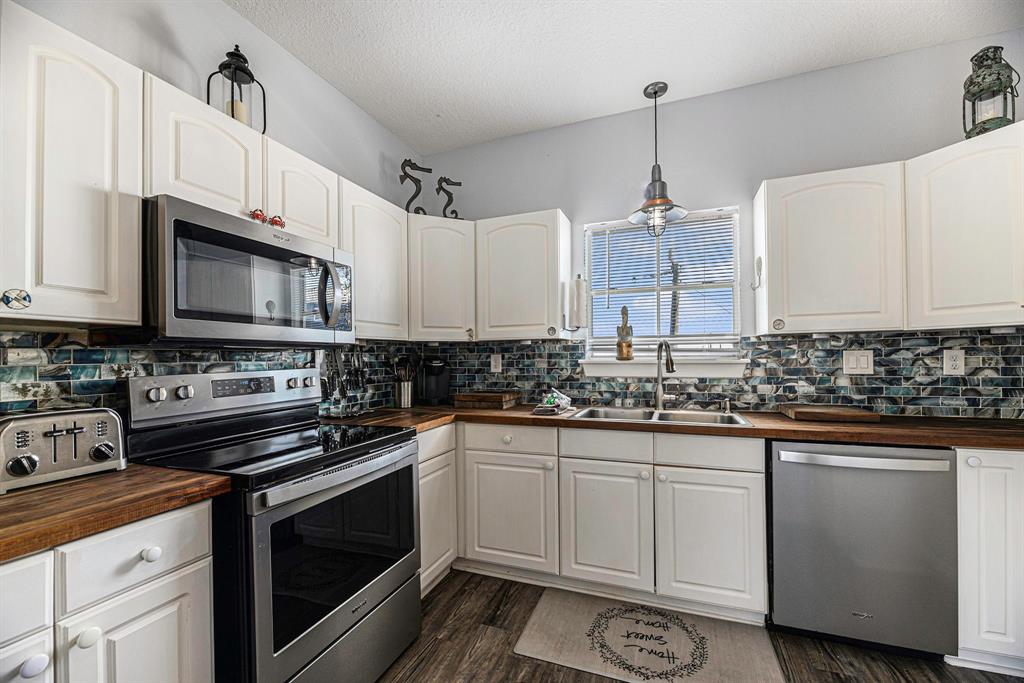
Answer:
(953, 362)
(495, 362)
(859, 362)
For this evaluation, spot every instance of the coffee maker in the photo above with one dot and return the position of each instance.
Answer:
(434, 377)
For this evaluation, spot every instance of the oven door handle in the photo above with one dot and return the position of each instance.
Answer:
(368, 467)
(330, 318)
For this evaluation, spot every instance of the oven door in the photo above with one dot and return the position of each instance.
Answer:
(327, 550)
(222, 277)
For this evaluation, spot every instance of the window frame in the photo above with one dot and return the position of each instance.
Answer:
(682, 345)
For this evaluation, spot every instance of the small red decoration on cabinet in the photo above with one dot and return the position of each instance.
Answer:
(277, 222)
(258, 215)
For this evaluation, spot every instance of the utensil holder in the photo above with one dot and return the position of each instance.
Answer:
(403, 394)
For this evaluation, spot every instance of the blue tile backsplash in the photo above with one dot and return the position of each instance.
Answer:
(54, 369)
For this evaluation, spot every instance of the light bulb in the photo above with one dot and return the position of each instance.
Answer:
(656, 221)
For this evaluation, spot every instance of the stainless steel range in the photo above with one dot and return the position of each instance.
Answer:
(316, 561)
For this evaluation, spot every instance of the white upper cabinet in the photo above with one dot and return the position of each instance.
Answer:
(965, 233)
(376, 232)
(442, 285)
(991, 520)
(607, 522)
(522, 269)
(70, 176)
(830, 247)
(300, 191)
(200, 154)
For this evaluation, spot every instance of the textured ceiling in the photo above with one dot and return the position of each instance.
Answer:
(443, 74)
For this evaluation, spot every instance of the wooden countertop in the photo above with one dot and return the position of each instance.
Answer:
(40, 517)
(895, 431)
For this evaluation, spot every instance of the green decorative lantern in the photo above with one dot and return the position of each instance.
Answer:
(990, 92)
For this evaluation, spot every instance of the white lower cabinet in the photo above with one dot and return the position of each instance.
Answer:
(710, 537)
(512, 509)
(438, 518)
(158, 632)
(28, 659)
(991, 520)
(607, 522)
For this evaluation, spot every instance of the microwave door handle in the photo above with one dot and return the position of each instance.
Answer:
(330, 318)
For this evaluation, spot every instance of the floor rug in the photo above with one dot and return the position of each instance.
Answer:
(636, 643)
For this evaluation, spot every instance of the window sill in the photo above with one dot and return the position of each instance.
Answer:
(712, 368)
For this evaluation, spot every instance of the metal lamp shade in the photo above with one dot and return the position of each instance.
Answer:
(658, 210)
(989, 93)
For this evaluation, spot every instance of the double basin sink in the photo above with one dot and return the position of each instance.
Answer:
(694, 417)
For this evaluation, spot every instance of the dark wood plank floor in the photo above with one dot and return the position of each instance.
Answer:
(471, 624)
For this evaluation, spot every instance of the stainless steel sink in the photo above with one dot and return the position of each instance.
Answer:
(701, 417)
(620, 414)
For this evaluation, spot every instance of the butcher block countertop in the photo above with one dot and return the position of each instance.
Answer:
(44, 516)
(894, 431)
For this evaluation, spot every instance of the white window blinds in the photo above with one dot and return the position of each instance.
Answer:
(680, 286)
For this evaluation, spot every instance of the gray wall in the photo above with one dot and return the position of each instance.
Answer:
(182, 41)
(715, 150)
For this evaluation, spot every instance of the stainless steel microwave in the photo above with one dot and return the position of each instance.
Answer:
(209, 276)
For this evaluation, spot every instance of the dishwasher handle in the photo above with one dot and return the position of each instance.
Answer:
(852, 461)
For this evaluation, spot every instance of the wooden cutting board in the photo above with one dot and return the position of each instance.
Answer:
(828, 413)
(498, 400)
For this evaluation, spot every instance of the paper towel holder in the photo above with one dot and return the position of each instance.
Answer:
(576, 319)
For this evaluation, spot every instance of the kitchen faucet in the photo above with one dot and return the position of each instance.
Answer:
(669, 367)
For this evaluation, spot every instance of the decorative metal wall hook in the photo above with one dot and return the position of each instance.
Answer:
(441, 189)
(407, 166)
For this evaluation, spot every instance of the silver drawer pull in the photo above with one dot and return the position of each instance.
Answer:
(900, 464)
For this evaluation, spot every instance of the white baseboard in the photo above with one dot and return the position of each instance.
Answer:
(611, 592)
(984, 661)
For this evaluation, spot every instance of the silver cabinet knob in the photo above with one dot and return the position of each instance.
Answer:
(662, 477)
(185, 392)
(645, 475)
(156, 394)
(973, 461)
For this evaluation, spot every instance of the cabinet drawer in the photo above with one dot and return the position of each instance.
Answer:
(28, 655)
(435, 442)
(26, 596)
(606, 444)
(710, 452)
(99, 566)
(502, 438)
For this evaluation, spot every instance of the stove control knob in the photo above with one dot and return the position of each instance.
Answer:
(102, 451)
(23, 465)
(293, 383)
(185, 392)
(308, 382)
(156, 394)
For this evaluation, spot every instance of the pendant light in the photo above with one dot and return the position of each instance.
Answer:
(658, 210)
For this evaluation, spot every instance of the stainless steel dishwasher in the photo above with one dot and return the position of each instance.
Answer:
(864, 543)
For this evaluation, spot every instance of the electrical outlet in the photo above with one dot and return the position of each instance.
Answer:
(858, 362)
(495, 362)
(953, 362)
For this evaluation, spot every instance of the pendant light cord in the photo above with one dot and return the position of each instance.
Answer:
(655, 129)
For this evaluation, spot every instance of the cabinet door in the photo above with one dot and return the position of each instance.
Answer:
(302, 192)
(965, 233)
(198, 153)
(442, 279)
(70, 175)
(833, 256)
(512, 509)
(521, 267)
(28, 659)
(438, 523)
(710, 537)
(375, 231)
(991, 505)
(158, 632)
(607, 522)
